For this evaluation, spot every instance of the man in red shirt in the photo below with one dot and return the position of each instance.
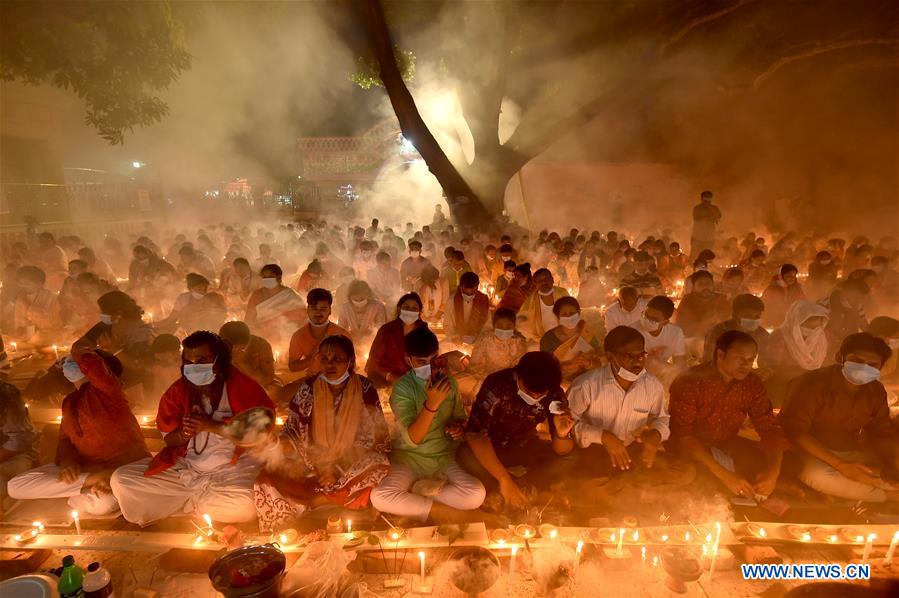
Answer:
(200, 470)
(708, 406)
(98, 433)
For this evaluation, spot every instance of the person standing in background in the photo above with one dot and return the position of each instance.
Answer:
(705, 221)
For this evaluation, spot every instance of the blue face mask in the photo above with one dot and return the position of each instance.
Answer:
(860, 373)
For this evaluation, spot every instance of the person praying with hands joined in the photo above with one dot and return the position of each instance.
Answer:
(619, 409)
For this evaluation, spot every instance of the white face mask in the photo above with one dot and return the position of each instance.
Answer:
(528, 399)
(502, 334)
(860, 373)
(338, 381)
(467, 298)
(106, 319)
(415, 254)
(649, 325)
(423, 372)
(628, 375)
(749, 324)
(361, 303)
(893, 343)
(269, 283)
(509, 275)
(314, 325)
(546, 294)
(506, 258)
(570, 322)
(71, 370)
(199, 374)
(808, 332)
(197, 294)
(409, 317)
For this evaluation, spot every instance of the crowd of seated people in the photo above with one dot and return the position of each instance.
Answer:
(415, 371)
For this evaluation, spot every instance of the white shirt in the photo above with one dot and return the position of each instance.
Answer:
(617, 316)
(599, 403)
(550, 320)
(670, 342)
(218, 451)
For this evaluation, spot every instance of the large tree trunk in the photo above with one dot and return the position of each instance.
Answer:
(464, 203)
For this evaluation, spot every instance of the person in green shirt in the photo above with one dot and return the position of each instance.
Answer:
(429, 419)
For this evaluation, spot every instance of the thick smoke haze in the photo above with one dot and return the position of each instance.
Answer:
(813, 147)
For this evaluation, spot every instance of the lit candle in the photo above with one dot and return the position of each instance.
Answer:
(554, 533)
(686, 536)
(832, 538)
(13, 347)
(421, 558)
(762, 533)
(636, 536)
(208, 520)
(868, 545)
(150, 316)
(277, 355)
(892, 550)
(643, 557)
(620, 539)
(279, 421)
(714, 548)
(664, 537)
(577, 555)
(55, 352)
(77, 522)
(349, 526)
(512, 564)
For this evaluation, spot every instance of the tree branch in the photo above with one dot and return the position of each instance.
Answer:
(810, 52)
(699, 21)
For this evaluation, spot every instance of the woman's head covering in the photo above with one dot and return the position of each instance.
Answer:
(808, 351)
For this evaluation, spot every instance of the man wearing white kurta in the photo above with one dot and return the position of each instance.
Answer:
(619, 408)
(200, 471)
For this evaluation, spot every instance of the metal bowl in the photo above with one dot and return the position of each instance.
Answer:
(220, 572)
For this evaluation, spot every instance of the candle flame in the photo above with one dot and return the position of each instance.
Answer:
(833, 538)
(664, 537)
(421, 554)
(207, 519)
(553, 533)
(643, 552)
(37, 524)
(686, 536)
(636, 536)
(514, 549)
(283, 538)
(75, 515)
(762, 532)
(806, 537)
(279, 421)
(708, 537)
(859, 538)
(580, 546)
(502, 542)
(612, 537)
(872, 537)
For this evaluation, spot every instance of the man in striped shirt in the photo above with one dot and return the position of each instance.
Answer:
(619, 408)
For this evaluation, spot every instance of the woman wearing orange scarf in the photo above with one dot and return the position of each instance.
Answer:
(333, 448)
(572, 341)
